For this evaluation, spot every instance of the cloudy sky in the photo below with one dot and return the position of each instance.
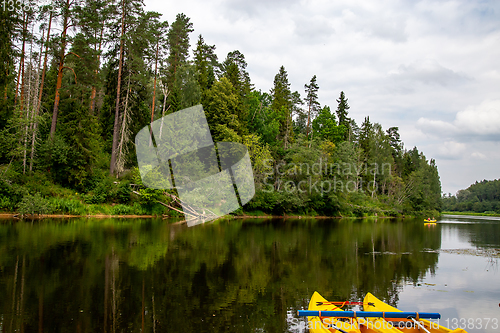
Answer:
(432, 67)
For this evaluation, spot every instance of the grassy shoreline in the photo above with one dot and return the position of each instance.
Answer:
(243, 215)
(470, 214)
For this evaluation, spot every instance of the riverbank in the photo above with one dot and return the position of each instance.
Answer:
(260, 215)
(470, 214)
(65, 216)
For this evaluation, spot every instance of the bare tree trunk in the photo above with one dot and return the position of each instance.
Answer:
(308, 119)
(40, 93)
(21, 64)
(116, 129)
(60, 71)
(312, 134)
(374, 174)
(286, 132)
(154, 97)
(154, 86)
(32, 77)
(6, 85)
(44, 65)
(27, 125)
(165, 95)
(124, 134)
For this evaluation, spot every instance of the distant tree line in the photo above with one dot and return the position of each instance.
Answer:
(480, 197)
(80, 78)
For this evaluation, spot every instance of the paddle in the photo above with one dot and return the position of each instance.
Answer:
(419, 324)
(343, 303)
(365, 314)
(337, 328)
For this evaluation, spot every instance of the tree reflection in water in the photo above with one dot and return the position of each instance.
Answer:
(115, 275)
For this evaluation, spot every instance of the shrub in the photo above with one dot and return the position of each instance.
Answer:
(34, 204)
(122, 210)
(71, 206)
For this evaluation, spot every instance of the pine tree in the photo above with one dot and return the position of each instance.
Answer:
(342, 109)
(312, 103)
(221, 111)
(187, 86)
(366, 137)
(342, 115)
(282, 105)
(325, 126)
(234, 69)
(178, 43)
(92, 21)
(130, 14)
(67, 11)
(8, 20)
(158, 42)
(206, 64)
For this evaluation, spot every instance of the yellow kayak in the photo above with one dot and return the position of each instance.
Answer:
(325, 324)
(368, 325)
(379, 325)
(430, 221)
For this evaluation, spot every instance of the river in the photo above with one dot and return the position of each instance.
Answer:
(152, 275)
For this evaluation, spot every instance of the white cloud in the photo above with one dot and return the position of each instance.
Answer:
(483, 119)
(451, 150)
(438, 128)
(481, 122)
(479, 156)
(428, 71)
(313, 29)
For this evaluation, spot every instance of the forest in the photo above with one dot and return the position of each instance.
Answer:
(480, 197)
(80, 78)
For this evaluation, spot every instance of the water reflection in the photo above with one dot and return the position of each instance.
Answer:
(89, 275)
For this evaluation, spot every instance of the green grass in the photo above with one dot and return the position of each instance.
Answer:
(472, 213)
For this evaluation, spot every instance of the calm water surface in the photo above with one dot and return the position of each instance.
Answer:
(90, 275)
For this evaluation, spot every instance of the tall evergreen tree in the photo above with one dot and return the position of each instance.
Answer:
(178, 43)
(397, 148)
(282, 105)
(129, 14)
(187, 86)
(92, 21)
(68, 13)
(234, 69)
(221, 111)
(311, 100)
(325, 126)
(8, 20)
(157, 41)
(206, 64)
(366, 137)
(342, 115)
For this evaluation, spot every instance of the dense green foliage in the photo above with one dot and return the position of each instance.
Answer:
(480, 197)
(76, 91)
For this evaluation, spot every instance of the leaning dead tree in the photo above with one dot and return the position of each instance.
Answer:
(188, 210)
